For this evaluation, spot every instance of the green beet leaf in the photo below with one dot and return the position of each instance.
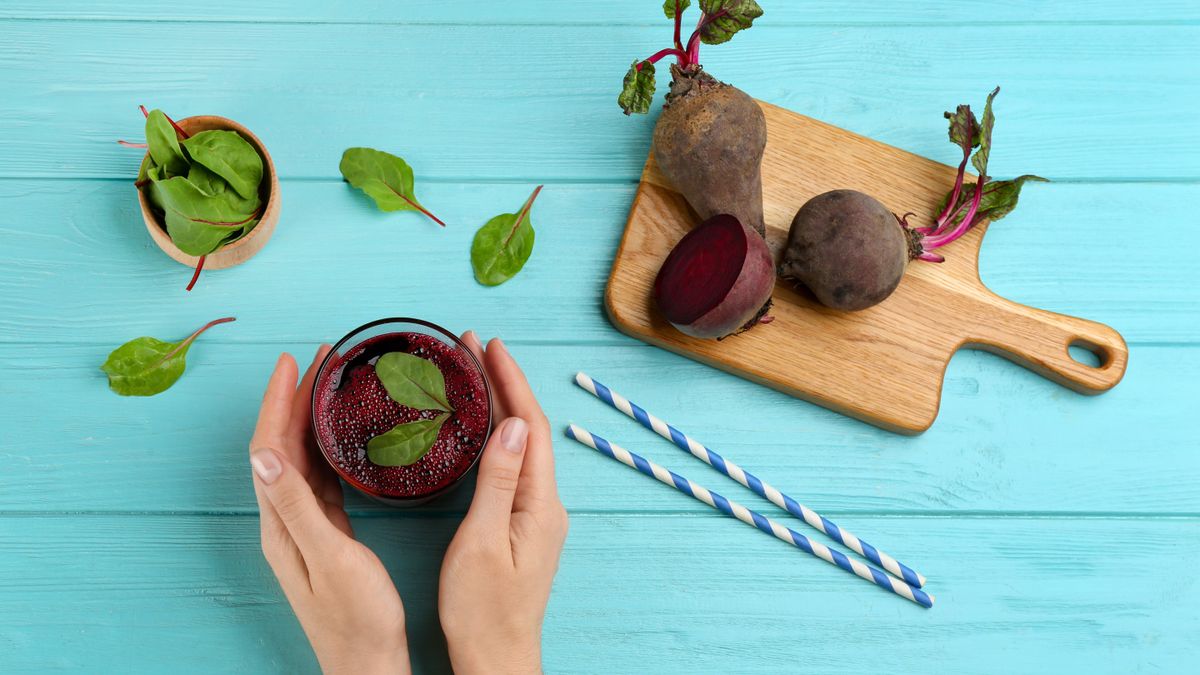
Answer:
(405, 443)
(413, 381)
(503, 245)
(980, 160)
(164, 144)
(147, 366)
(385, 178)
(998, 200)
(228, 155)
(670, 7)
(199, 222)
(637, 90)
(725, 18)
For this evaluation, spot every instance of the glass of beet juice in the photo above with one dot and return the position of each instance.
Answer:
(350, 406)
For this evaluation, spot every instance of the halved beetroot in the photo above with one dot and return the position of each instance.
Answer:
(717, 280)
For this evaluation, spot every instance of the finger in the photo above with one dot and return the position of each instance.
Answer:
(300, 423)
(513, 392)
(476, 348)
(276, 409)
(296, 505)
(499, 475)
(272, 420)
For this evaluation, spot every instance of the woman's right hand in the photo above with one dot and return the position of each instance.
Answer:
(498, 570)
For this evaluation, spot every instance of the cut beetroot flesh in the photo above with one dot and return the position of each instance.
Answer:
(701, 269)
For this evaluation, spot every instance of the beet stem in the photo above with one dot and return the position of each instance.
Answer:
(658, 56)
(965, 224)
(191, 338)
(196, 274)
(131, 144)
(946, 216)
(522, 214)
(678, 26)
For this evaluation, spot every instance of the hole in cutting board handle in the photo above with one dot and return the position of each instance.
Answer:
(1089, 354)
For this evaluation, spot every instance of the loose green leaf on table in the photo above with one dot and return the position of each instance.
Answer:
(637, 90)
(228, 155)
(503, 245)
(413, 381)
(724, 18)
(164, 144)
(405, 443)
(147, 366)
(385, 178)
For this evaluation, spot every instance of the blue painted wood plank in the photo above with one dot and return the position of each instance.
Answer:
(1080, 103)
(1007, 440)
(79, 266)
(618, 12)
(635, 593)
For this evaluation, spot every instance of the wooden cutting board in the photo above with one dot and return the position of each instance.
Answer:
(883, 365)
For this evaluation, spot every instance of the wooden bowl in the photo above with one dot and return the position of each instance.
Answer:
(243, 249)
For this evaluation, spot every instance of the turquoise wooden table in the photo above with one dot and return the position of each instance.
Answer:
(1059, 532)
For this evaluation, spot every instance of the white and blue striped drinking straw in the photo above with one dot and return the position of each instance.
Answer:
(749, 480)
(736, 510)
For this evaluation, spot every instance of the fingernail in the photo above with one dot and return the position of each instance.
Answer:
(266, 465)
(472, 340)
(512, 437)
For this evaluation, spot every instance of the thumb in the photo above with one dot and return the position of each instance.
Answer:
(499, 473)
(292, 498)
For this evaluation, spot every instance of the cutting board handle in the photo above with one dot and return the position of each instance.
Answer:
(1041, 341)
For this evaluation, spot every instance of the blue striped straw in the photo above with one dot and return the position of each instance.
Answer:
(758, 486)
(732, 508)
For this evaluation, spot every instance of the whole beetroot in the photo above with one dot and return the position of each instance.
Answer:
(851, 252)
(847, 248)
(710, 138)
(709, 142)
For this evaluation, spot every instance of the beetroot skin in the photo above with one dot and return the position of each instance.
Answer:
(847, 248)
(717, 280)
(709, 142)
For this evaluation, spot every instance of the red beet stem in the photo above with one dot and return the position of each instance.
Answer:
(130, 144)
(193, 336)
(416, 206)
(678, 26)
(965, 224)
(693, 45)
(196, 274)
(183, 135)
(523, 213)
(659, 55)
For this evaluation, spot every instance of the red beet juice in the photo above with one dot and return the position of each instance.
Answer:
(351, 406)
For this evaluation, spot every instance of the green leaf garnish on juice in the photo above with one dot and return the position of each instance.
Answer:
(413, 381)
(405, 443)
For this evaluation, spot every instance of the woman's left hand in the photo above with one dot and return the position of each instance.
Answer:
(340, 591)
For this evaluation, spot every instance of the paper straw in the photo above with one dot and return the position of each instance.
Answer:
(732, 508)
(749, 480)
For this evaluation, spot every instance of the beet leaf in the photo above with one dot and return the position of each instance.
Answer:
(999, 197)
(413, 381)
(724, 18)
(637, 91)
(385, 178)
(503, 245)
(228, 155)
(147, 366)
(406, 443)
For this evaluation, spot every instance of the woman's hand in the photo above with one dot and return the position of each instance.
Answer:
(498, 570)
(341, 593)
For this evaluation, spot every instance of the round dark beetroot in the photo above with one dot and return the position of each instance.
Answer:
(847, 248)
